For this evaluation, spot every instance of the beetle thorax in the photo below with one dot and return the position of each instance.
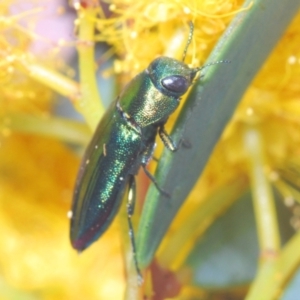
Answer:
(144, 103)
(155, 93)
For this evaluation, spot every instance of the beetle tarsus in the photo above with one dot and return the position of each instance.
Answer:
(185, 143)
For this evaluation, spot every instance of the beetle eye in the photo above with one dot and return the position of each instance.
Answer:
(176, 84)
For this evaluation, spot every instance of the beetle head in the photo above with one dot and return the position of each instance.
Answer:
(170, 76)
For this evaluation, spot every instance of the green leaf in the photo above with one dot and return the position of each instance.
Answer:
(247, 43)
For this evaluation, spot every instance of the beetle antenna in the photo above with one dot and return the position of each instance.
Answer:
(211, 64)
(189, 40)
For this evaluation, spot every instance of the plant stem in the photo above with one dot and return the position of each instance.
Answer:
(59, 128)
(273, 276)
(264, 206)
(53, 79)
(90, 105)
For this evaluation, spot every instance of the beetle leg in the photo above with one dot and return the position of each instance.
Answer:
(166, 139)
(130, 210)
(151, 177)
(145, 158)
(168, 142)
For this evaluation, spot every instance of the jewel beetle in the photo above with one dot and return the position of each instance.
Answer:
(122, 143)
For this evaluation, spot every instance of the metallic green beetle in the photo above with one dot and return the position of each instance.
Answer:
(124, 140)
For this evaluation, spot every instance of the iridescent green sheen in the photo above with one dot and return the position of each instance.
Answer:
(123, 141)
